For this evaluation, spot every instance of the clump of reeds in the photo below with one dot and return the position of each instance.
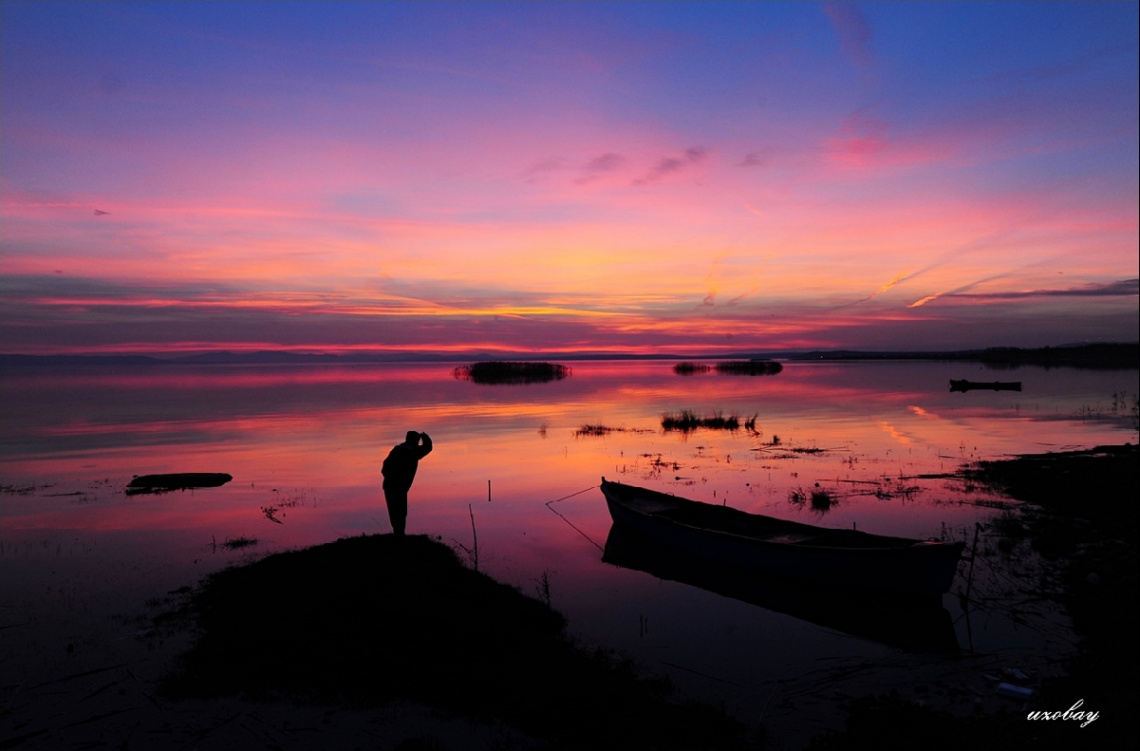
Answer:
(511, 372)
(691, 368)
(686, 421)
(819, 500)
(749, 367)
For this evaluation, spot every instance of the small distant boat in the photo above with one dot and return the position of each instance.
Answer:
(791, 550)
(964, 385)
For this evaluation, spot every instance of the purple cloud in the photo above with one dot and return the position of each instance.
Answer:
(600, 165)
(1122, 287)
(853, 31)
(671, 165)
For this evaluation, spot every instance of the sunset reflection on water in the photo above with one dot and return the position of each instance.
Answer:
(514, 470)
(312, 438)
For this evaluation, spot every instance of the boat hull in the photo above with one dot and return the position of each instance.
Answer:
(789, 550)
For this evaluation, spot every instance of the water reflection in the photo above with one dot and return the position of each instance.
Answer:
(308, 443)
(921, 626)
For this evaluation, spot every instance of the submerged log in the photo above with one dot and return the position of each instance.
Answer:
(177, 481)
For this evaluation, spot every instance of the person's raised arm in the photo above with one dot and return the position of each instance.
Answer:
(425, 449)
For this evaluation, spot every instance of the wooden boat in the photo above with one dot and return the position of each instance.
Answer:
(963, 385)
(791, 550)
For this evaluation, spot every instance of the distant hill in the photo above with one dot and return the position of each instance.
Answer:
(1108, 356)
(76, 360)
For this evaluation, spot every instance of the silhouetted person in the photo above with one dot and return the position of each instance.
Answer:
(399, 470)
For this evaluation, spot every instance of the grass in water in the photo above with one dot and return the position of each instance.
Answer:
(593, 430)
(819, 500)
(749, 367)
(686, 421)
(691, 368)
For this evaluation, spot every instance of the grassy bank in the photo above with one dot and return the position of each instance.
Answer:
(1082, 515)
(369, 620)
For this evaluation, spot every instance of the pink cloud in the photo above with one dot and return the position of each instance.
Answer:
(868, 143)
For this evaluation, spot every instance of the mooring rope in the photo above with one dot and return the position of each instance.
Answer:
(563, 518)
(580, 492)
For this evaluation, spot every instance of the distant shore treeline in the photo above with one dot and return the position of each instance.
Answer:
(1080, 355)
(1116, 356)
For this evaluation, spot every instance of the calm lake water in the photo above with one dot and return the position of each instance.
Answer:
(305, 444)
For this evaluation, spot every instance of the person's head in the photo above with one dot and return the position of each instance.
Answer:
(413, 437)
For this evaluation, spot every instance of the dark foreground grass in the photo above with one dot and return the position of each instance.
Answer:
(1083, 515)
(1081, 512)
(368, 620)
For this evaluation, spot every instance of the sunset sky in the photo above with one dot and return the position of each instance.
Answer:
(552, 178)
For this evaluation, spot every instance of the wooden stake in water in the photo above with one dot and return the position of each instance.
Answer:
(474, 539)
(488, 491)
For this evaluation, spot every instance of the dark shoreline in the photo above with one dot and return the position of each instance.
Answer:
(370, 620)
(1080, 513)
